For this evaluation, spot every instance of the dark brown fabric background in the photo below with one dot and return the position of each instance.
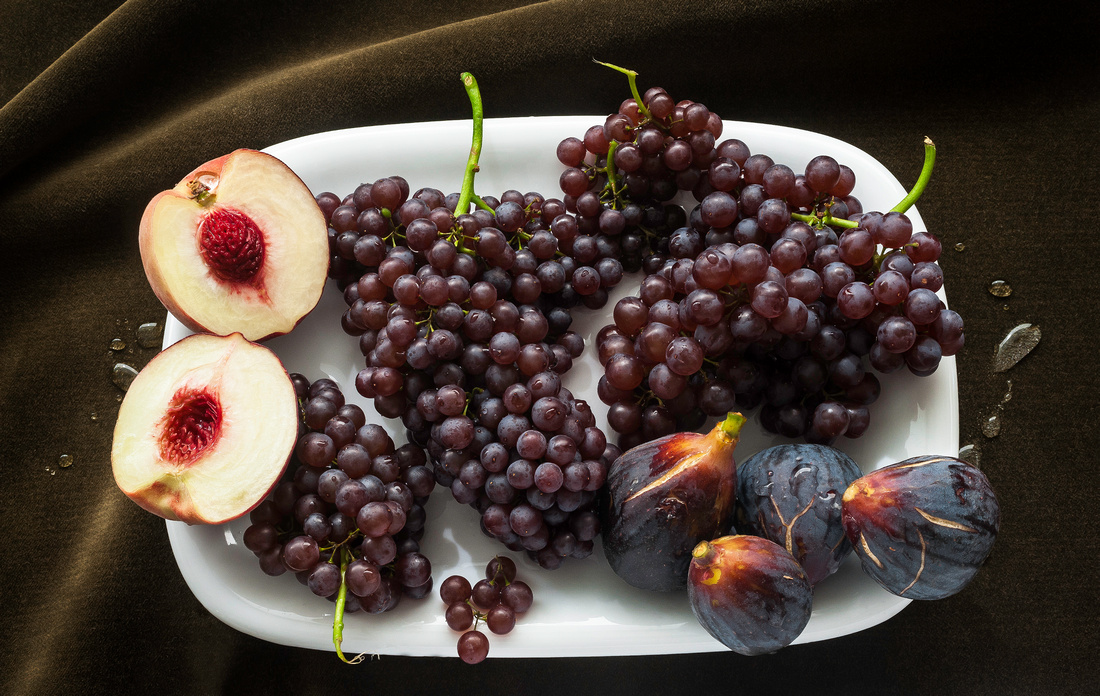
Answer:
(106, 104)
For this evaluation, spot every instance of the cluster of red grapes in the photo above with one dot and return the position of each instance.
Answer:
(772, 293)
(495, 600)
(463, 322)
(351, 508)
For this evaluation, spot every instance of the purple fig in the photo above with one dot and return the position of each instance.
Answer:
(791, 494)
(664, 497)
(922, 527)
(749, 593)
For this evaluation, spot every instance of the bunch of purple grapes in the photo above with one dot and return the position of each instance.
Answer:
(777, 292)
(496, 600)
(350, 498)
(463, 322)
(621, 177)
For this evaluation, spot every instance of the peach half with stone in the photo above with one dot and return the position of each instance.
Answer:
(206, 429)
(238, 245)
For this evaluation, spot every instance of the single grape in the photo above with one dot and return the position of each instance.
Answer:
(459, 616)
(473, 647)
(501, 568)
(500, 619)
(485, 594)
(517, 595)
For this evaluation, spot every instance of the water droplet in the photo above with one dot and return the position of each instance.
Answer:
(65, 461)
(95, 416)
(972, 454)
(1000, 288)
(960, 247)
(123, 375)
(117, 344)
(149, 335)
(1017, 344)
(991, 426)
(1008, 394)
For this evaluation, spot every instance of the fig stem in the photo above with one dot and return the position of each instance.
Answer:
(731, 426)
(703, 550)
(922, 180)
(338, 619)
(467, 193)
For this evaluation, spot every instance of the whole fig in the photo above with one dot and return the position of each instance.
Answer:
(749, 593)
(791, 494)
(663, 498)
(922, 527)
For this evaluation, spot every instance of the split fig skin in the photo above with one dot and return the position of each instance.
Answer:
(922, 527)
(749, 593)
(791, 494)
(664, 497)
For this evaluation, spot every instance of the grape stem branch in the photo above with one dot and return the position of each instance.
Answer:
(903, 205)
(632, 76)
(467, 194)
(341, 600)
(922, 180)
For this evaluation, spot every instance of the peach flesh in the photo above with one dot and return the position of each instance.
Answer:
(205, 430)
(238, 245)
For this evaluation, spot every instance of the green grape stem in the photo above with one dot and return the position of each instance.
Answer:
(481, 203)
(903, 205)
(612, 175)
(338, 620)
(632, 76)
(826, 219)
(922, 180)
(467, 193)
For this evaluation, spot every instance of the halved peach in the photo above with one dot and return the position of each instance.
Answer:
(206, 429)
(239, 245)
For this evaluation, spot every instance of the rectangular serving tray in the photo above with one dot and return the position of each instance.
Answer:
(583, 608)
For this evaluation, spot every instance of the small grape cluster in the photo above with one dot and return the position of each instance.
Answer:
(621, 176)
(495, 600)
(350, 512)
(532, 468)
(463, 321)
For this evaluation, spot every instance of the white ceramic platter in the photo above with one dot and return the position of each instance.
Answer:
(583, 608)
